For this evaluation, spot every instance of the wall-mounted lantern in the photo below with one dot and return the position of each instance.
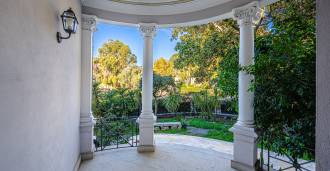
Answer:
(70, 22)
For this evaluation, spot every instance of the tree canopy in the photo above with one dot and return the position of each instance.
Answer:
(115, 66)
(163, 67)
(284, 68)
(207, 58)
(284, 82)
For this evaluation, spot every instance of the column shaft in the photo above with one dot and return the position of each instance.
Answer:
(86, 116)
(147, 77)
(246, 55)
(147, 119)
(245, 145)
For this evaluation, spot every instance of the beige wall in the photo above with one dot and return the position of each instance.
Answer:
(39, 87)
(323, 86)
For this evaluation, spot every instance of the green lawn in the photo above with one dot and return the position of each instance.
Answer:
(217, 130)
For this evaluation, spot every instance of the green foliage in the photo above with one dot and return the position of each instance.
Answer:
(205, 103)
(96, 100)
(115, 66)
(202, 123)
(216, 130)
(204, 47)
(162, 85)
(121, 102)
(220, 135)
(163, 67)
(228, 74)
(284, 70)
(187, 89)
(284, 82)
(172, 102)
(213, 50)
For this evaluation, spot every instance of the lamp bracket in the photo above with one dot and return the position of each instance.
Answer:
(59, 37)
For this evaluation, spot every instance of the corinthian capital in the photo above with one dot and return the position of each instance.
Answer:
(248, 14)
(148, 29)
(89, 22)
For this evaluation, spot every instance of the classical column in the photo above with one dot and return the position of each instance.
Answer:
(245, 146)
(147, 118)
(86, 117)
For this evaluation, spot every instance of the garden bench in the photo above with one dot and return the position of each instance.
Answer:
(167, 125)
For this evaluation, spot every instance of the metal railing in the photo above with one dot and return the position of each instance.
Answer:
(288, 162)
(115, 132)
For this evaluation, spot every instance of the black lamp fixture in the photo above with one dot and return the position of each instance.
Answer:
(70, 22)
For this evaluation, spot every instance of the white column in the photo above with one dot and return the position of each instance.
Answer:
(245, 145)
(88, 25)
(147, 118)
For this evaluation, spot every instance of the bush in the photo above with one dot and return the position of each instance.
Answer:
(121, 102)
(172, 102)
(205, 103)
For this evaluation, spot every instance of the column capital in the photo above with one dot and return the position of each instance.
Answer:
(89, 22)
(148, 29)
(248, 14)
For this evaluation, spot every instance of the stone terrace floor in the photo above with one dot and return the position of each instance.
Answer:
(173, 153)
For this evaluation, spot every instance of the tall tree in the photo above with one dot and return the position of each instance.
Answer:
(204, 47)
(284, 69)
(113, 60)
(184, 75)
(212, 50)
(163, 67)
(162, 85)
(284, 82)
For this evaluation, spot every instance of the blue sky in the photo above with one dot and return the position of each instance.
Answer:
(163, 46)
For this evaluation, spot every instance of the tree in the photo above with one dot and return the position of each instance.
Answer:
(130, 77)
(115, 62)
(162, 85)
(284, 82)
(204, 47)
(163, 67)
(212, 50)
(284, 70)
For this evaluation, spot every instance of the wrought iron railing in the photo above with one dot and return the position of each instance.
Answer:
(273, 159)
(115, 132)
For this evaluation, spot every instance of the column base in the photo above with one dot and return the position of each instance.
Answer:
(245, 148)
(86, 137)
(146, 148)
(146, 133)
(241, 166)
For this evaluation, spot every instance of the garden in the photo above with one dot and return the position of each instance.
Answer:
(198, 86)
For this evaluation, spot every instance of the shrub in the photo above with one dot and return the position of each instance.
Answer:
(172, 102)
(205, 103)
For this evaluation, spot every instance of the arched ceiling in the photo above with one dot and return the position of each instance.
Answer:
(163, 12)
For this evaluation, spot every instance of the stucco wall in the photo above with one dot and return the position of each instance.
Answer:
(323, 86)
(39, 87)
